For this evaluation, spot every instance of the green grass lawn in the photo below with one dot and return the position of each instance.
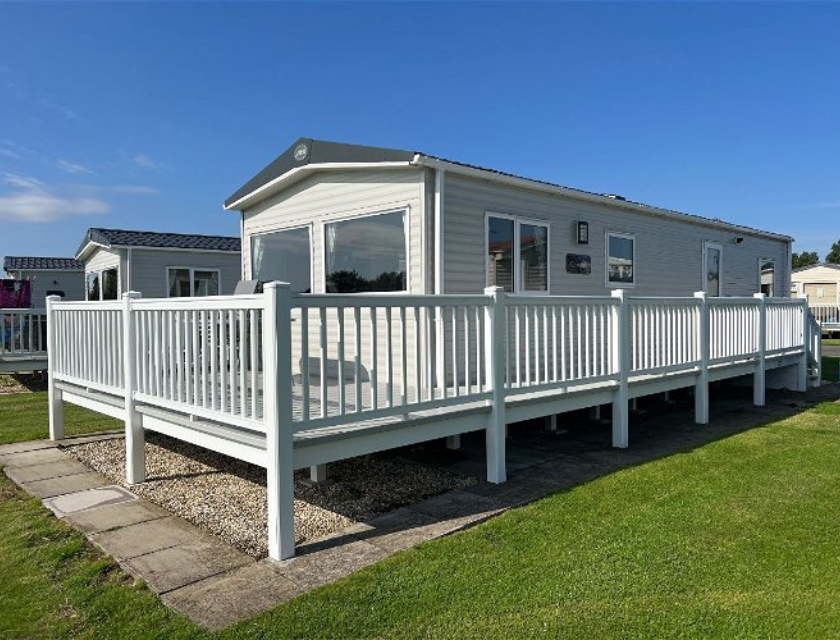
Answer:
(833, 342)
(737, 538)
(23, 416)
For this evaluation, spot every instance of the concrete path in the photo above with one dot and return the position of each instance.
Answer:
(216, 585)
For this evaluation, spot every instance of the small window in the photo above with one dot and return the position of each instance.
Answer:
(712, 268)
(92, 285)
(110, 285)
(767, 277)
(517, 255)
(366, 254)
(187, 282)
(285, 256)
(821, 292)
(621, 258)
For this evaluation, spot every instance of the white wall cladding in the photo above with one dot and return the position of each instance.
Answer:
(148, 269)
(102, 259)
(332, 195)
(72, 283)
(669, 253)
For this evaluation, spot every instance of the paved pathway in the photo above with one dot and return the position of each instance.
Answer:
(216, 585)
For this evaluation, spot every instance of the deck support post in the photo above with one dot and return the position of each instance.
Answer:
(760, 375)
(54, 394)
(318, 474)
(453, 442)
(621, 356)
(135, 438)
(277, 416)
(495, 359)
(551, 422)
(701, 387)
(802, 370)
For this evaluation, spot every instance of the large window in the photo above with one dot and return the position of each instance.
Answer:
(712, 268)
(102, 285)
(621, 259)
(767, 276)
(366, 254)
(185, 282)
(517, 254)
(285, 256)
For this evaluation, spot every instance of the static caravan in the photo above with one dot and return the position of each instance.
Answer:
(820, 283)
(157, 264)
(63, 277)
(332, 217)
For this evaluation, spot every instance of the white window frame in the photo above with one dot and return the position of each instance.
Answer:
(518, 221)
(704, 284)
(761, 262)
(99, 273)
(617, 285)
(406, 210)
(308, 227)
(192, 271)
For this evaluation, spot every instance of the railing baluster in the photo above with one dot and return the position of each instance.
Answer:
(357, 359)
(342, 403)
(418, 382)
(389, 356)
(455, 371)
(374, 367)
(403, 358)
(322, 317)
(253, 316)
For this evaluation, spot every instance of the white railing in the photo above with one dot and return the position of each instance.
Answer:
(23, 332)
(665, 334)
(359, 357)
(559, 341)
(826, 313)
(87, 345)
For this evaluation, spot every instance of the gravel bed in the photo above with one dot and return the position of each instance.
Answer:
(22, 383)
(228, 497)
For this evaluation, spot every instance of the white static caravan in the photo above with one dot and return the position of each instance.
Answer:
(331, 217)
(820, 283)
(63, 277)
(158, 264)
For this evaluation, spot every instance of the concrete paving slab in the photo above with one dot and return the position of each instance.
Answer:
(397, 530)
(37, 456)
(66, 484)
(185, 564)
(78, 501)
(145, 537)
(457, 504)
(313, 566)
(32, 445)
(46, 470)
(516, 491)
(93, 437)
(220, 601)
(115, 516)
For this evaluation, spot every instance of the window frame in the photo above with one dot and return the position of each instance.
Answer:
(618, 234)
(711, 244)
(761, 262)
(99, 273)
(308, 227)
(406, 211)
(518, 221)
(192, 271)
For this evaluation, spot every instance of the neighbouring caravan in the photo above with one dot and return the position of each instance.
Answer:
(332, 217)
(48, 276)
(820, 283)
(157, 264)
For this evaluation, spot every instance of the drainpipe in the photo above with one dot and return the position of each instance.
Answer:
(439, 178)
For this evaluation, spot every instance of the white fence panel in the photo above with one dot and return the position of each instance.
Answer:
(23, 332)
(88, 344)
(733, 328)
(664, 334)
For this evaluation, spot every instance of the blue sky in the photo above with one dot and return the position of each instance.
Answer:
(147, 116)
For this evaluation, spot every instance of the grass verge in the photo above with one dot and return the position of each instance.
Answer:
(830, 368)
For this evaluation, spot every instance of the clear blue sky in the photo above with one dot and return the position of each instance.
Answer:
(148, 116)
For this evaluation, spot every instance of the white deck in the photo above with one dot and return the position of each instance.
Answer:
(228, 373)
(23, 340)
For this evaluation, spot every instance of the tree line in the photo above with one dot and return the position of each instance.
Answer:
(807, 258)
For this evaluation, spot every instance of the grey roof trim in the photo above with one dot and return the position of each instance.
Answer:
(825, 265)
(313, 151)
(321, 153)
(41, 263)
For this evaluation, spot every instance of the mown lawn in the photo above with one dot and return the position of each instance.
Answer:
(734, 539)
(23, 416)
(831, 368)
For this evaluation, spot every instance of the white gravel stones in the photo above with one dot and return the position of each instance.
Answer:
(228, 497)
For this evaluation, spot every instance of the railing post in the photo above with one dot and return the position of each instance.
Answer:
(802, 369)
(621, 342)
(54, 394)
(759, 377)
(495, 359)
(701, 387)
(135, 438)
(277, 416)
